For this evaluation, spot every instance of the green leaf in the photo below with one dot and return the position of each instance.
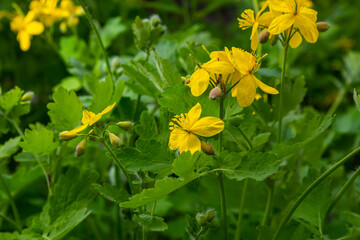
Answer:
(67, 206)
(112, 29)
(312, 129)
(353, 218)
(9, 147)
(151, 223)
(184, 165)
(261, 139)
(112, 193)
(10, 99)
(103, 95)
(357, 99)
(257, 166)
(148, 155)
(66, 110)
(168, 74)
(39, 140)
(148, 128)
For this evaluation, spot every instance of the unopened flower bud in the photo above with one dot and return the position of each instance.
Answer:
(200, 218)
(215, 93)
(210, 215)
(264, 37)
(125, 125)
(80, 148)
(207, 148)
(273, 40)
(114, 140)
(66, 135)
(322, 26)
(27, 96)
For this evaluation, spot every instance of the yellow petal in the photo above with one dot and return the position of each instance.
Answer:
(307, 28)
(191, 143)
(281, 23)
(24, 40)
(219, 67)
(192, 116)
(77, 129)
(264, 87)
(236, 77)
(208, 126)
(199, 81)
(279, 6)
(296, 40)
(254, 37)
(90, 117)
(177, 137)
(265, 19)
(246, 91)
(35, 28)
(242, 59)
(108, 109)
(220, 55)
(308, 12)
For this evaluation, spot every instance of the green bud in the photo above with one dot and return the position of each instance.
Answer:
(65, 136)
(27, 96)
(210, 215)
(155, 20)
(322, 26)
(273, 40)
(80, 148)
(125, 125)
(200, 219)
(114, 140)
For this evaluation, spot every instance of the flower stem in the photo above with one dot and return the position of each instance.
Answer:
(12, 203)
(250, 146)
(268, 204)
(221, 178)
(93, 27)
(241, 209)
(153, 208)
(343, 189)
(282, 91)
(309, 189)
(117, 161)
(10, 221)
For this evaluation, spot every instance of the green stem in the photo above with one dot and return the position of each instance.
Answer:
(268, 205)
(337, 102)
(282, 91)
(153, 208)
(241, 210)
(256, 5)
(221, 178)
(11, 222)
(93, 27)
(117, 161)
(12, 203)
(137, 106)
(117, 206)
(309, 189)
(202, 230)
(246, 138)
(48, 181)
(14, 123)
(343, 189)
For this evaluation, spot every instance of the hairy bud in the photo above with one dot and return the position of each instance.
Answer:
(264, 37)
(207, 148)
(215, 93)
(80, 148)
(66, 135)
(125, 125)
(114, 140)
(322, 26)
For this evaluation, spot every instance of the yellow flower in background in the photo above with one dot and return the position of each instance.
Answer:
(186, 129)
(246, 64)
(72, 12)
(26, 27)
(199, 80)
(248, 20)
(296, 14)
(88, 119)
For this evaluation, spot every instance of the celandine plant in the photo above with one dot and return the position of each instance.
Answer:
(224, 152)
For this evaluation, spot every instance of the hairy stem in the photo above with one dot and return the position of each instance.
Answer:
(282, 91)
(93, 27)
(308, 191)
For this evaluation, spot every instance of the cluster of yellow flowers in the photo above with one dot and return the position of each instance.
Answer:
(292, 19)
(41, 14)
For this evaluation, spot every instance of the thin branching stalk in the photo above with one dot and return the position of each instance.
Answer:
(10, 221)
(93, 27)
(241, 210)
(250, 146)
(12, 204)
(47, 177)
(153, 208)
(268, 204)
(343, 189)
(308, 191)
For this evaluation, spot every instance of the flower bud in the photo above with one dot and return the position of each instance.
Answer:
(80, 148)
(125, 125)
(66, 135)
(264, 37)
(215, 93)
(27, 96)
(210, 215)
(200, 219)
(207, 148)
(273, 40)
(114, 140)
(322, 26)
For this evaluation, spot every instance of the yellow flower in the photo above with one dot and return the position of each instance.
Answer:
(296, 14)
(186, 129)
(47, 11)
(246, 64)
(248, 20)
(88, 119)
(26, 27)
(72, 12)
(199, 80)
